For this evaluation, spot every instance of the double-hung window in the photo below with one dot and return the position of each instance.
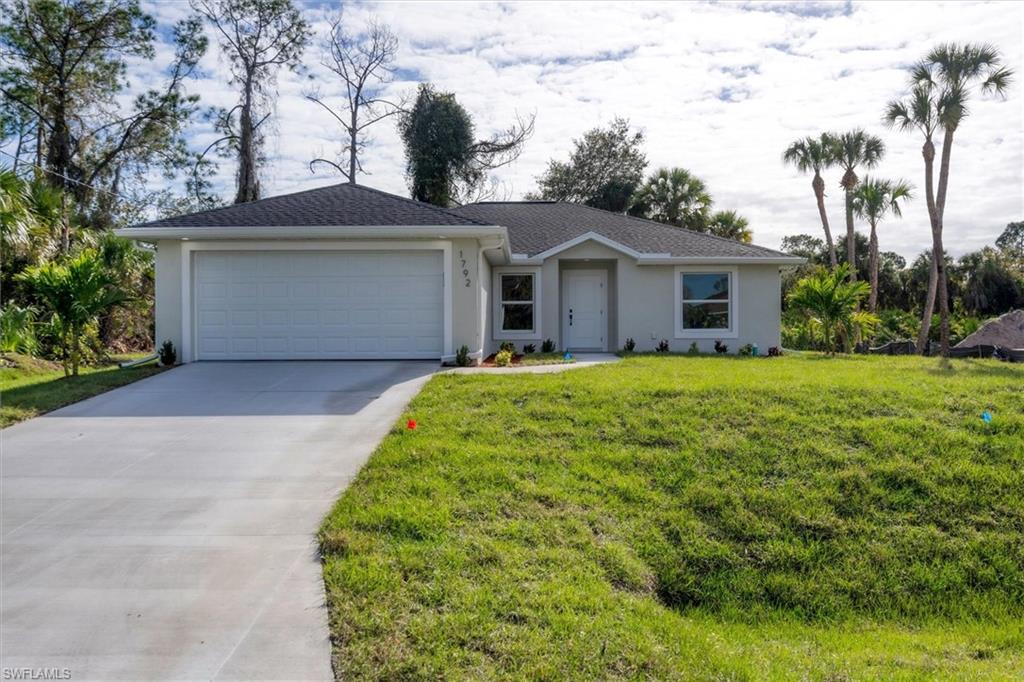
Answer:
(517, 301)
(705, 303)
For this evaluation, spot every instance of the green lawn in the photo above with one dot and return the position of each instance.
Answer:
(691, 518)
(33, 387)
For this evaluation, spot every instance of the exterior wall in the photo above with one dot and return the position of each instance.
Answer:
(758, 308)
(168, 293)
(642, 302)
(641, 299)
(487, 345)
(466, 324)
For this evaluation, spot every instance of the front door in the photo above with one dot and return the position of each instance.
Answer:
(584, 301)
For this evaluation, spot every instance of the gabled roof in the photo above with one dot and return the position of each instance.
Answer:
(336, 205)
(538, 227)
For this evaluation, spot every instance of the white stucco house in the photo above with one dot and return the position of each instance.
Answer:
(349, 272)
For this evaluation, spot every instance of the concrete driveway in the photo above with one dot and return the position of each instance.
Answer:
(166, 529)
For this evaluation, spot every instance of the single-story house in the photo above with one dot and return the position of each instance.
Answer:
(350, 272)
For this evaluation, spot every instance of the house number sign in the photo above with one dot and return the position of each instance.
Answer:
(465, 270)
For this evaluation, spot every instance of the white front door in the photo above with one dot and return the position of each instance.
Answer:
(584, 301)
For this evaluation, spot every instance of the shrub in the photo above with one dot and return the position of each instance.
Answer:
(503, 358)
(529, 348)
(747, 349)
(509, 346)
(721, 347)
(827, 296)
(548, 346)
(462, 358)
(630, 345)
(76, 292)
(774, 352)
(168, 355)
(17, 330)
(662, 346)
(693, 349)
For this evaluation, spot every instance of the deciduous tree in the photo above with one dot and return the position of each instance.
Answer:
(364, 63)
(445, 164)
(259, 38)
(604, 169)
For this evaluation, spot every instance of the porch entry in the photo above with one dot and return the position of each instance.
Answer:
(584, 309)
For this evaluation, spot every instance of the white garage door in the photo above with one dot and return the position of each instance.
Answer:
(288, 305)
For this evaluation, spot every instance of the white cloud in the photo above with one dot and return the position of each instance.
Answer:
(788, 71)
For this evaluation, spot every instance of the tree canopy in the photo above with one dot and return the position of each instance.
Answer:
(605, 168)
(445, 164)
(64, 65)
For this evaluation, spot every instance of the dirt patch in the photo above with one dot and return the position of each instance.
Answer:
(1006, 331)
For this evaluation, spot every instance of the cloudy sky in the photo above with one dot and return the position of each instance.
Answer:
(718, 88)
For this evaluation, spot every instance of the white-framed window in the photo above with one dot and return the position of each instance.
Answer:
(705, 302)
(517, 303)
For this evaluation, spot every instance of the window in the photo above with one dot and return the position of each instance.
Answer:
(516, 298)
(705, 303)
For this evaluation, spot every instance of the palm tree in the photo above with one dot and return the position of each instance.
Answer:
(731, 225)
(815, 154)
(76, 292)
(872, 201)
(940, 88)
(853, 149)
(674, 196)
(827, 297)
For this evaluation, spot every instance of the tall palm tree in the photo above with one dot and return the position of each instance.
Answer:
(940, 89)
(815, 154)
(731, 225)
(674, 196)
(872, 201)
(854, 149)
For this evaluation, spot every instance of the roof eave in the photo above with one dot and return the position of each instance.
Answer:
(315, 232)
(722, 260)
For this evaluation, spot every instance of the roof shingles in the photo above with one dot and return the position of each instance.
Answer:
(336, 205)
(533, 226)
(536, 226)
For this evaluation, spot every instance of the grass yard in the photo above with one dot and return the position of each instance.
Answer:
(691, 518)
(32, 387)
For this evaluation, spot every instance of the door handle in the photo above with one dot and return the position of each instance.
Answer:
(570, 317)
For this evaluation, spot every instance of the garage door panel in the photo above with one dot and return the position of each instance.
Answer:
(305, 305)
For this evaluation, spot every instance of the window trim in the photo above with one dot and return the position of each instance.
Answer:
(733, 331)
(499, 304)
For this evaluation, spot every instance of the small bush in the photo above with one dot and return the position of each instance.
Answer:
(503, 358)
(462, 358)
(774, 352)
(630, 345)
(693, 349)
(529, 348)
(721, 347)
(508, 345)
(17, 330)
(662, 346)
(548, 346)
(168, 355)
(747, 349)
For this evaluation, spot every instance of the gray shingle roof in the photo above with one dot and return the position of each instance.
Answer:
(536, 226)
(341, 205)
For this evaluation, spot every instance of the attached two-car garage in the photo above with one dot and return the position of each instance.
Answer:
(312, 304)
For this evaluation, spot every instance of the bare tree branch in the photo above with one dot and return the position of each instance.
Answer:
(364, 63)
